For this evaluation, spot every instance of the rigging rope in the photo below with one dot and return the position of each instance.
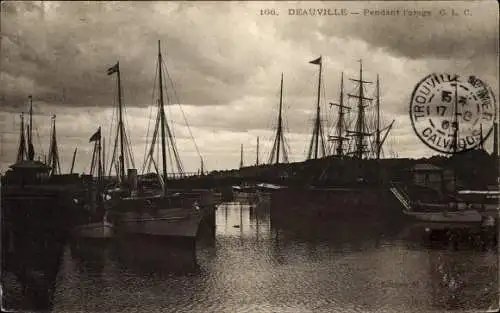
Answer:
(149, 122)
(39, 141)
(183, 114)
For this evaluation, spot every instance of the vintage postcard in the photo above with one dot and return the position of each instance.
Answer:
(251, 156)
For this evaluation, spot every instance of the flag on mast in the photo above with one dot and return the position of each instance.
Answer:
(317, 61)
(115, 68)
(96, 136)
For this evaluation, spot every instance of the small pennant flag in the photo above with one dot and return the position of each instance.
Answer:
(115, 68)
(317, 61)
(96, 136)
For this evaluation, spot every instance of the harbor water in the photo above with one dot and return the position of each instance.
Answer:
(252, 265)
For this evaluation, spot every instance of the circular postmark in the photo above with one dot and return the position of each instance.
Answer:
(451, 113)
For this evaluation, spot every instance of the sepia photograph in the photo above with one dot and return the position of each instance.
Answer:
(249, 156)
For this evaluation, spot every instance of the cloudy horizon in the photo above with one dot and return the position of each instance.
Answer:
(225, 60)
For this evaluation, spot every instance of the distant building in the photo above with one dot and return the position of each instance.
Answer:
(428, 175)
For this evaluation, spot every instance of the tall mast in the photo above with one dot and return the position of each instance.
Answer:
(360, 133)
(495, 140)
(455, 134)
(455, 120)
(241, 156)
(120, 127)
(257, 158)
(280, 123)
(481, 138)
(31, 150)
(162, 118)
(340, 145)
(30, 135)
(378, 120)
(278, 150)
(317, 127)
(21, 153)
(340, 125)
(73, 161)
(317, 130)
(202, 167)
(53, 151)
(99, 162)
(103, 157)
(361, 115)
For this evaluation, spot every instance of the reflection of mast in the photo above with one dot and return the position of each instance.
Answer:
(360, 133)
(318, 129)
(339, 138)
(279, 141)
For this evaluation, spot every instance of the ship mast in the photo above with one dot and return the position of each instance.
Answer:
(30, 135)
(162, 119)
(455, 120)
(317, 130)
(279, 141)
(164, 132)
(31, 150)
(121, 139)
(495, 140)
(53, 151)
(377, 139)
(21, 153)
(73, 161)
(257, 157)
(360, 132)
(340, 124)
(455, 134)
(241, 156)
(121, 158)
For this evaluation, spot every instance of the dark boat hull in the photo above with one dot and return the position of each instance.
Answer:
(173, 223)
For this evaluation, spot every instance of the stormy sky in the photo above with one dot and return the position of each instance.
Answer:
(225, 61)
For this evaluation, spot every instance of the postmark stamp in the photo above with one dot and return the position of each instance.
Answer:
(452, 113)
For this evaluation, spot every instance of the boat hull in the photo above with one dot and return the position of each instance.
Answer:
(174, 223)
(468, 216)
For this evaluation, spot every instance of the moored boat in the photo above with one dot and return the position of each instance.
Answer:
(161, 213)
(94, 221)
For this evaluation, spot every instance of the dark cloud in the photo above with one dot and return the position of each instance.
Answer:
(225, 61)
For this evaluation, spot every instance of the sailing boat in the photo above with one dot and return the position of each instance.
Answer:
(173, 215)
(33, 199)
(96, 223)
(279, 153)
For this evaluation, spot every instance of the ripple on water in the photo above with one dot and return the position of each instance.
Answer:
(258, 268)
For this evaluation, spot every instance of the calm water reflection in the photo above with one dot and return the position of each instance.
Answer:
(254, 266)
